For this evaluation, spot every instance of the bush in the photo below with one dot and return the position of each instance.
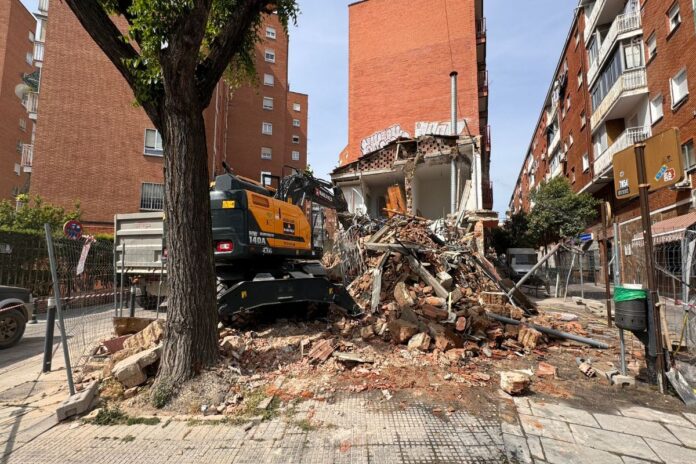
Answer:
(33, 213)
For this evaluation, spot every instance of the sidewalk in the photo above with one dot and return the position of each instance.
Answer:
(584, 422)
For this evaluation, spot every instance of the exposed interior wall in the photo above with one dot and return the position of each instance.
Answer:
(433, 191)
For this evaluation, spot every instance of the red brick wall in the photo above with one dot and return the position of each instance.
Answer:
(15, 25)
(399, 65)
(90, 135)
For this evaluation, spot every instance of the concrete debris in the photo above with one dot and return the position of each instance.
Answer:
(514, 383)
(420, 341)
(131, 371)
(546, 370)
(321, 351)
(148, 337)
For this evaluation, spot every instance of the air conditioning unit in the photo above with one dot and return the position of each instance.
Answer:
(684, 185)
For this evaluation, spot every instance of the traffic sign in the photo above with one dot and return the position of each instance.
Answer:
(73, 229)
(586, 237)
(663, 165)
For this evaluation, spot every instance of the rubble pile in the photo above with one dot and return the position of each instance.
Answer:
(434, 293)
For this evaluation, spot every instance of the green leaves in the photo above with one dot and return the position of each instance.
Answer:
(558, 212)
(34, 216)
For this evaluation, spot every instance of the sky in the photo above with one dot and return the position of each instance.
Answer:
(524, 44)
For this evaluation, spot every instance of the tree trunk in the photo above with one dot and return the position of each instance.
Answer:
(191, 330)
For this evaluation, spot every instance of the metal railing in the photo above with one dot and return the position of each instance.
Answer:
(630, 136)
(483, 81)
(38, 52)
(27, 156)
(631, 79)
(481, 28)
(32, 103)
(622, 24)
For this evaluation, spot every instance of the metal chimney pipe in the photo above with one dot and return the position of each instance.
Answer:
(453, 170)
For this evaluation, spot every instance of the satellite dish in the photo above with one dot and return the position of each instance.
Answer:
(21, 90)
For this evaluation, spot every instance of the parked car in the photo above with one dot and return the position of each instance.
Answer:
(16, 308)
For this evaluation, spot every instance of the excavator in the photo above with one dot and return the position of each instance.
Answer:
(266, 243)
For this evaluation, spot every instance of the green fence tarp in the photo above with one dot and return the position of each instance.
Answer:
(629, 294)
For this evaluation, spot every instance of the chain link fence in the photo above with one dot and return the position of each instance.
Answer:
(91, 292)
(675, 277)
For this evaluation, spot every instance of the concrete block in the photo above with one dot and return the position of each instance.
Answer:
(130, 371)
(621, 381)
(77, 403)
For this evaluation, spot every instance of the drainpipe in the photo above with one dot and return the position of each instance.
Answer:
(453, 171)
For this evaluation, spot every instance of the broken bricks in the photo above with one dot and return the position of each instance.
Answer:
(514, 383)
(402, 330)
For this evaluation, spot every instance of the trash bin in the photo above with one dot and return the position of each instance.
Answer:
(631, 308)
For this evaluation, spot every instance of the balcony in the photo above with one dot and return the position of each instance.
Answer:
(31, 103)
(622, 25)
(27, 157)
(43, 6)
(38, 53)
(592, 20)
(622, 97)
(480, 29)
(554, 141)
(483, 83)
(631, 136)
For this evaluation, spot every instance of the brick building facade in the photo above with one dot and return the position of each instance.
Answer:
(401, 54)
(95, 147)
(638, 65)
(16, 61)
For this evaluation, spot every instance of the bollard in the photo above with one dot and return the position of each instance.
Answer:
(48, 342)
(33, 312)
(132, 301)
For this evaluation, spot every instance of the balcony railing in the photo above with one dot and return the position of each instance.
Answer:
(43, 6)
(632, 79)
(592, 20)
(481, 28)
(483, 82)
(38, 52)
(630, 136)
(622, 24)
(27, 157)
(32, 104)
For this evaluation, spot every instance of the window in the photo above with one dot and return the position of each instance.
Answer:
(270, 56)
(570, 139)
(580, 79)
(688, 155)
(693, 7)
(17, 169)
(268, 80)
(577, 37)
(266, 153)
(679, 87)
(270, 33)
(31, 36)
(583, 120)
(153, 143)
(568, 103)
(296, 123)
(151, 197)
(295, 155)
(674, 17)
(265, 178)
(295, 139)
(656, 109)
(23, 124)
(29, 58)
(633, 54)
(572, 175)
(267, 103)
(593, 49)
(267, 128)
(651, 45)
(296, 107)
(585, 162)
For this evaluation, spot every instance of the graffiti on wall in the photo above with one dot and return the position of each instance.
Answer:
(438, 128)
(382, 138)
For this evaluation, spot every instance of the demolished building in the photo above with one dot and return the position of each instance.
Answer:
(438, 175)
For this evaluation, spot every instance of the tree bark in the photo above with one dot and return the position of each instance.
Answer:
(191, 329)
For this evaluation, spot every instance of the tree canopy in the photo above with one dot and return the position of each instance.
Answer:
(558, 212)
(33, 214)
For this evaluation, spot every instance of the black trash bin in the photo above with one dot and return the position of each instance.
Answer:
(631, 309)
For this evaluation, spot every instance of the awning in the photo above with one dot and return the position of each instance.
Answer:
(669, 230)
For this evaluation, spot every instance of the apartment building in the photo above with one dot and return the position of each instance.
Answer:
(96, 147)
(401, 55)
(17, 93)
(626, 73)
